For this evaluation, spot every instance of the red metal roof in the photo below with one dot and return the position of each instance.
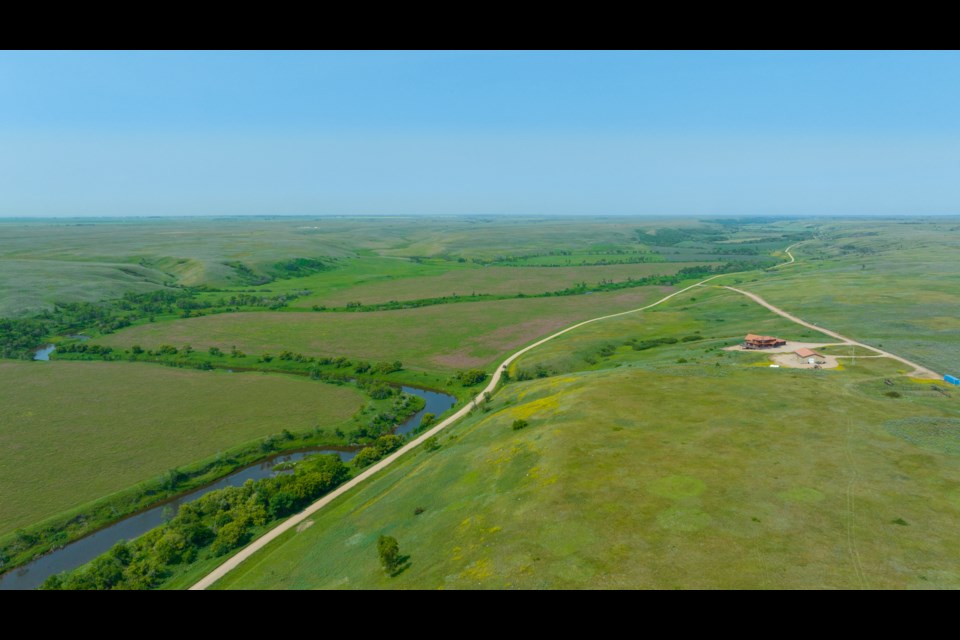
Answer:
(803, 352)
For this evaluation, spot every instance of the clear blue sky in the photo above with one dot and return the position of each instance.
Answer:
(508, 133)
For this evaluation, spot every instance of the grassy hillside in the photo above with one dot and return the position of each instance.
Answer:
(48, 261)
(71, 432)
(678, 477)
(676, 465)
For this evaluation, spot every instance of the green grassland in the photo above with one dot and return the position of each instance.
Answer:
(72, 432)
(475, 280)
(653, 458)
(884, 282)
(29, 286)
(442, 338)
(43, 261)
(708, 318)
(649, 472)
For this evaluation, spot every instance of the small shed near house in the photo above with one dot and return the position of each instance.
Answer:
(803, 352)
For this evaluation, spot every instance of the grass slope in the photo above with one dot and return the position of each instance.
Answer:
(71, 432)
(678, 466)
(690, 477)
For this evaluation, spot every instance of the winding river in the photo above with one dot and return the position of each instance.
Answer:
(79, 552)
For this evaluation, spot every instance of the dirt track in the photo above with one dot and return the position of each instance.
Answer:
(918, 370)
(295, 520)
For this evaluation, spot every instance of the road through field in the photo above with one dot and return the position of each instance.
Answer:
(293, 521)
(296, 520)
(919, 371)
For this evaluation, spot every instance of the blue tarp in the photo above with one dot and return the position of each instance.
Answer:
(951, 379)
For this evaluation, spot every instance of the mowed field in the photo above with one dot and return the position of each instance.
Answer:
(681, 477)
(71, 432)
(440, 338)
(484, 280)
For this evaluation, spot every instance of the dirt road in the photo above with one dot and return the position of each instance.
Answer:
(293, 521)
(296, 520)
(918, 370)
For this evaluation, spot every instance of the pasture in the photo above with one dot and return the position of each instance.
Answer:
(672, 477)
(440, 339)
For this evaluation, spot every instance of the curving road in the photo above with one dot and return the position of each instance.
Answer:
(787, 251)
(293, 521)
(918, 370)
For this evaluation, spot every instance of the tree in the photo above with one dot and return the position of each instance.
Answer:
(389, 551)
(471, 377)
(520, 424)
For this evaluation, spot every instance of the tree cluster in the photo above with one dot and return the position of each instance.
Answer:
(212, 525)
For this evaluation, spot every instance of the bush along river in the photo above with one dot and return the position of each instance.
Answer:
(79, 552)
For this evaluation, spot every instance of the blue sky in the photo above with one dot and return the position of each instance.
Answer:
(702, 133)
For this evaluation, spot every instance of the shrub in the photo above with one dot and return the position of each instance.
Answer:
(388, 549)
(520, 424)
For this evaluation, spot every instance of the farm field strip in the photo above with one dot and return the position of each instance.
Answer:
(128, 423)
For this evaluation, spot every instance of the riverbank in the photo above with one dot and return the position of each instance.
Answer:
(136, 510)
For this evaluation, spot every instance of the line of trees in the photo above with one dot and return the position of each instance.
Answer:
(20, 337)
(210, 526)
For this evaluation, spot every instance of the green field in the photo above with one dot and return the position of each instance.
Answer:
(653, 457)
(479, 280)
(43, 262)
(442, 338)
(656, 474)
(72, 432)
